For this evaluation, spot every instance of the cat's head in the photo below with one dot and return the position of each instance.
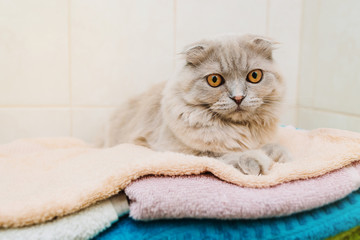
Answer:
(233, 77)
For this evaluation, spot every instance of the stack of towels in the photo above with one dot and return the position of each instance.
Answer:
(64, 189)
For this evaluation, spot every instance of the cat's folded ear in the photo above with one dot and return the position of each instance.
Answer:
(263, 45)
(196, 53)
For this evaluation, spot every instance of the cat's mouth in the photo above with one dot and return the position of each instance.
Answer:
(238, 109)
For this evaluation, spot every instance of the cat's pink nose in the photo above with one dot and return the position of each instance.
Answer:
(237, 99)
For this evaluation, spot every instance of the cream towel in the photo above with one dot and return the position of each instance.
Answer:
(45, 178)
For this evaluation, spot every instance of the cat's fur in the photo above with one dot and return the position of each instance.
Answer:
(189, 116)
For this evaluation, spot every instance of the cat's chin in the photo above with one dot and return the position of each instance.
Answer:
(238, 109)
(237, 115)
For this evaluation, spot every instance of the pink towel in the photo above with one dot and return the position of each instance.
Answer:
(206, 196)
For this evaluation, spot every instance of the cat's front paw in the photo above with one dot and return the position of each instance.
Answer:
(277, 153)
(253, 162)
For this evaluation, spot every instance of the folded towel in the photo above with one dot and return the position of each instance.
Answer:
(206, 196)
(82, 225)
(352, 234)
(45, 178)
(315, 224)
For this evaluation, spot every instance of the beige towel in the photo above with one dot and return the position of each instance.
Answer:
(45, 178)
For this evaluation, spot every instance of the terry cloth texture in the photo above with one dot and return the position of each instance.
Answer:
(45, 178)
(315, 224)
(82, 225)
(205, 196)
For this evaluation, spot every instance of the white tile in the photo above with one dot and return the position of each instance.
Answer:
(311, 119)
(199, 19)
(308, 53)
(88, 123)
(34, 52)
(33, 122)
(285, 26)
(289, 115)
(119, 48)
(337, 85)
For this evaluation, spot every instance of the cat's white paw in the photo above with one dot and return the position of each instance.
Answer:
(253, 162)
(277, 153)
(249, 166)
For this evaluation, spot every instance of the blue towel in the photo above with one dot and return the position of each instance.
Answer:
(315, 224)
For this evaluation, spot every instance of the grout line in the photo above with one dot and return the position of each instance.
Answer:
(316, 55)
(174, 33)
(301, 36)
(69, 58)
(267, 18)
(58, 106)
(330, 111)
(97, 106)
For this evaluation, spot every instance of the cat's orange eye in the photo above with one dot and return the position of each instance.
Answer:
(214, 80)
(254, 76)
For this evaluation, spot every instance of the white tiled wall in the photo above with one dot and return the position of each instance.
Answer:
(34, 53)
(20, 122)
(119, 48)
(330, 77)
(203, 18)
(315, 118)
(65, 64)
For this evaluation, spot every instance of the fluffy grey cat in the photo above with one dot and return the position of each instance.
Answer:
(223, 101)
